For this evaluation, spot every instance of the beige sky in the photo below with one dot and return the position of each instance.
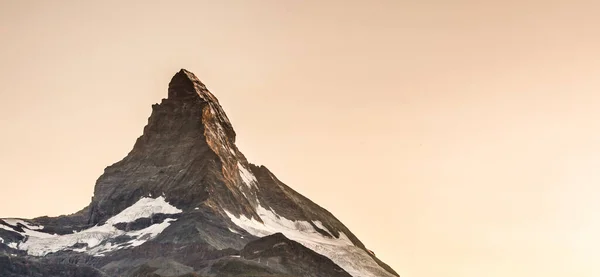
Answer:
(454, 138)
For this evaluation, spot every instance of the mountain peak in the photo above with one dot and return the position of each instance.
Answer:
(185, 199)
(185, 85)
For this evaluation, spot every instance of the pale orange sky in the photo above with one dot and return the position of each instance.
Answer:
(454, 138)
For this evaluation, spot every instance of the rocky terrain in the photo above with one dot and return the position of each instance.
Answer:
(186, 202)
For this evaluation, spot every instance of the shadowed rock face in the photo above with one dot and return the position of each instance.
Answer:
(18, 266)
(188, 157)
(186, 153)
(290, 256)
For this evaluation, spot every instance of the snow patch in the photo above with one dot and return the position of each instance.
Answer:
(27, 230)
(16, 221)
(233, 231)
(145, 207)
(322, 227)
(6, 228)
(246, 175)
(340, 250)
(40, 244)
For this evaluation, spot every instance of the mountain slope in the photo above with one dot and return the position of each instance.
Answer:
(186, 201)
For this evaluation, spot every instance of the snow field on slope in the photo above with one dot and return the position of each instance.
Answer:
(40, 244)
(247, 176)
(340, 250)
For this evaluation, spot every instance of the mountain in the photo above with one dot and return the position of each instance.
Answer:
(186, 202)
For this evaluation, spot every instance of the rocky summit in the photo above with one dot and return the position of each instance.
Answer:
(186, 202)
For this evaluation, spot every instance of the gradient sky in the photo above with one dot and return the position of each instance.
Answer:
(454, 138)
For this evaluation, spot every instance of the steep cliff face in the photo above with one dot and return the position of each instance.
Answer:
(187, 153)
(186, 201)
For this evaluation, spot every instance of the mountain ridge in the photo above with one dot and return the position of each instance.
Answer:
(186, 185)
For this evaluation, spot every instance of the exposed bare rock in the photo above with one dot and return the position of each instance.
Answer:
(186, 202)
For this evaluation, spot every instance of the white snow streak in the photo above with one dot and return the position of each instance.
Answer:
(145, 207)
(341, 250)
(6, 228)
(233, 231)
(15, 221)
(321, 226)
(28, 232)
(246, 175)
(40, 244)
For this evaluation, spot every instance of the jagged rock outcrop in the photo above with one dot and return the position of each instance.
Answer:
(186, 202)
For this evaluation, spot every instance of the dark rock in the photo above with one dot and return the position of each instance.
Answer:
(17, 228)
(238, 267)
(142, 223)
(187, 154)
(9, 236)
(64, 224)
(22, 267)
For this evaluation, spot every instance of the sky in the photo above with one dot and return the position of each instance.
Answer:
(454, 138)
